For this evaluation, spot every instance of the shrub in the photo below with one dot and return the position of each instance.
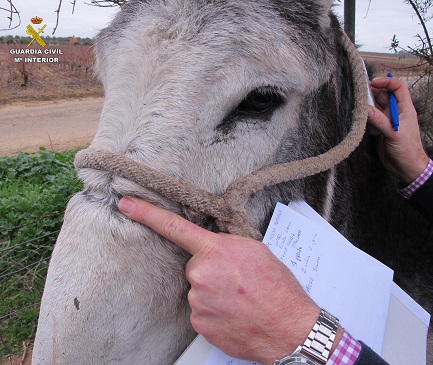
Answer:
(34, 190)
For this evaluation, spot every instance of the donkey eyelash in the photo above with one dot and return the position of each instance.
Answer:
(258, 105)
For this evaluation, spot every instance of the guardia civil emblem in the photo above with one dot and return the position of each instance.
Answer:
(36, 34)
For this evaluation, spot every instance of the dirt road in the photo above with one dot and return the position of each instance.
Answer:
(56, 125)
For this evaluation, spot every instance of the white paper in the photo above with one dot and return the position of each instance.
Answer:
(339, 277)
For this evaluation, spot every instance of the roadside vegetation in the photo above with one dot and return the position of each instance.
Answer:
(34, 190)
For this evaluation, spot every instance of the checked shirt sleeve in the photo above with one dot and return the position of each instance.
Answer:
(347, 351)
(409, 190)
(351, 352)
(420, 192)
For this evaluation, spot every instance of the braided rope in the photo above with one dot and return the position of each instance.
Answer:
(198, 199)
(241, 189)
(226, 209)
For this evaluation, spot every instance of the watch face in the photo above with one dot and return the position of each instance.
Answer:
(297, 360)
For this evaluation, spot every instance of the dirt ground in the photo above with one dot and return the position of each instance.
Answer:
(57, 125)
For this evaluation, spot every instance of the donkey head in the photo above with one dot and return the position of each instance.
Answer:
(210, 91)
(206, 92)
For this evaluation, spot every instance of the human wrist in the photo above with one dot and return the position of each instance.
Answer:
(320, 343)
(294, 334)
(412, 172)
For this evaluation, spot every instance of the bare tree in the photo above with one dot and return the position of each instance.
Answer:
(422, 88)
(13, 14)
(99, 3)
(14, 18)
(424, 50)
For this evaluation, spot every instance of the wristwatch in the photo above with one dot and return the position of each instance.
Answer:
(317, 346)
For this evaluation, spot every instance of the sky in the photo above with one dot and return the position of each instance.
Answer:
(375, 26)
(378, 21)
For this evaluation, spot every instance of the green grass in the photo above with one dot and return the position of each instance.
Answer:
(34, 191)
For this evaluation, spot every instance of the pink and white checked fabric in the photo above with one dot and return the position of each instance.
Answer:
(347, 351)
(409, 190)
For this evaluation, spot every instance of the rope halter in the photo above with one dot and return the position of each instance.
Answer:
(227, 209)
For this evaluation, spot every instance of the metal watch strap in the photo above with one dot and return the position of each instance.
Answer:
(318, 344)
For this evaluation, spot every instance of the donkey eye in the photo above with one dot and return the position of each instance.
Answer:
(258, 105)
(260, 102)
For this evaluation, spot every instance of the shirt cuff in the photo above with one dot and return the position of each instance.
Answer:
(409, 190)
(347, 351)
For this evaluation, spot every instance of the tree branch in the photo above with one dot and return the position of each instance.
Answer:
(12, 10)
(57, 17)
(73, 5)
(421, 19)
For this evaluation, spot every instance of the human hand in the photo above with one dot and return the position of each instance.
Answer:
(400, 152)
(243, 299)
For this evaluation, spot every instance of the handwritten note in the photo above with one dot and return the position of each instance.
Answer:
(339, 277)
(297, 245)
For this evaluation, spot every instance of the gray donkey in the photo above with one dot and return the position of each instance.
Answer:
(207, 92)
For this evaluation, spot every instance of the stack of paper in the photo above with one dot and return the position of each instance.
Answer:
(345, 281)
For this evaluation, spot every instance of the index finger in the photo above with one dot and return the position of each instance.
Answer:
(178, 230)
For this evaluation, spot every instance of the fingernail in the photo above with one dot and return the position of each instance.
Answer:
(126, 205)
(370, 111)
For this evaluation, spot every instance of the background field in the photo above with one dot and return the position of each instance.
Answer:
(399, 64)
(72, 77)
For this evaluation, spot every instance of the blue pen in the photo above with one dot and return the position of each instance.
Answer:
(393, 109)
